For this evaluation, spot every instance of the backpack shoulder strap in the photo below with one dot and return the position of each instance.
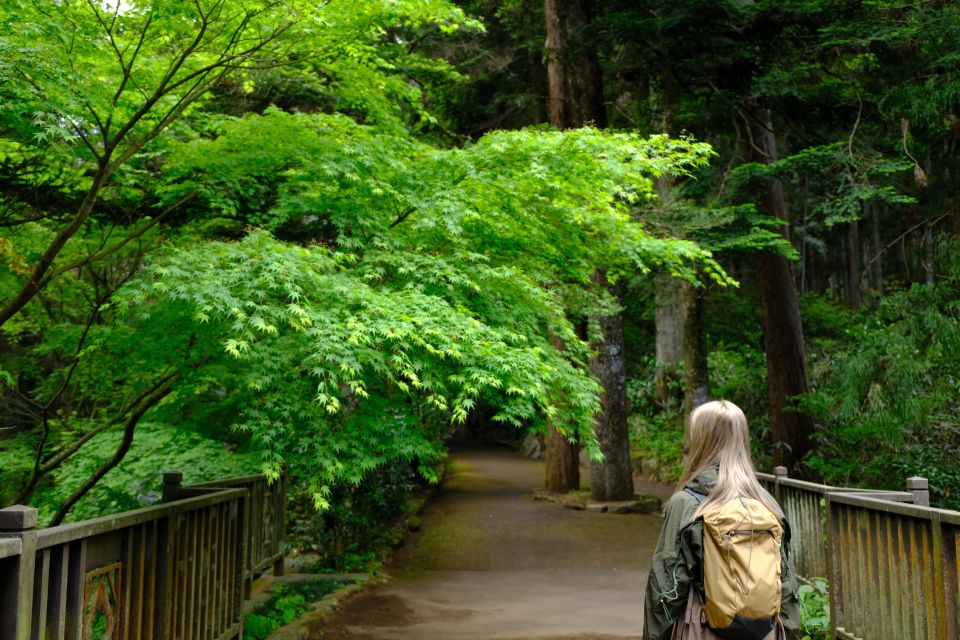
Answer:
(696, 494)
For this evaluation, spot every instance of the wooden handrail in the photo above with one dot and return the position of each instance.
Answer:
(182, 568)
(71, 531)
(890, 559)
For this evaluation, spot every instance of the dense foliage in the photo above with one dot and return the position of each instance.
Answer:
(287, 602)
(314, 236)
(243, 221)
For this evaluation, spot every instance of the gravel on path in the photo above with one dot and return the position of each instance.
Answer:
(490, 563)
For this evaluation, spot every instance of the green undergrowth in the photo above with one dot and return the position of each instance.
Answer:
(137, 482)
(364, 521)
(659, 441)
(286, 604)
(814, 611)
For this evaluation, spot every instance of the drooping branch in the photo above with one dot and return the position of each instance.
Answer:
(129, 428)
(33, 284)
(35, 474)
(107, 251)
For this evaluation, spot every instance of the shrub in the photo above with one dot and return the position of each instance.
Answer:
(285, 605)
(814, 611)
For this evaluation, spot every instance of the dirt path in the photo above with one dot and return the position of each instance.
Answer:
(491, 563)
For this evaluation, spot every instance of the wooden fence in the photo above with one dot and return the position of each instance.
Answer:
(179, 570)
(890, 559)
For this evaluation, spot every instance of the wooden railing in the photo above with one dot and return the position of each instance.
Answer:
(179, 570)
(804, 504)
(893, 569)
(891, 560)
(264, 519)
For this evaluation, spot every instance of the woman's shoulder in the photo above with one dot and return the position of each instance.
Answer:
(683, 496)
(681, 505)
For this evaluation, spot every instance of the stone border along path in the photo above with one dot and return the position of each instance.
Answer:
(491, 563)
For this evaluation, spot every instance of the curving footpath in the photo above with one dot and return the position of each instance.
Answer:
(490, 563)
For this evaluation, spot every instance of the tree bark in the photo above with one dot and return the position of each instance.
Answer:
(562, 469)
(670, 327)
(854, 298)
(695, 352)
(575, 99)
(611, 479)
(573, 71)
(792, 431)
(561, 457)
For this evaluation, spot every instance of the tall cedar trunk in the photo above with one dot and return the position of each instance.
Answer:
(792, 431)
(670, 328)
(562, 463)
(853, 256)
(611, 479)
(573, 71)
(561, 457)
(876, 254)
(575, 100)
(697, 383)
(669, 308)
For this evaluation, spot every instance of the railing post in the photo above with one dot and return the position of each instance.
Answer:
(172, 480)
(779, 473)
(16, 587)
(920, 488)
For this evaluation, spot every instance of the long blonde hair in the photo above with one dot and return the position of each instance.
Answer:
(719, 436)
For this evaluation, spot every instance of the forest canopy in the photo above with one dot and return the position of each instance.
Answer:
(318, 237)
(236, 204)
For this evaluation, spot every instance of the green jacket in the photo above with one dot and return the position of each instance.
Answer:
(677, 557)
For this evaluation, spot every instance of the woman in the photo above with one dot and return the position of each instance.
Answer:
(719, 469)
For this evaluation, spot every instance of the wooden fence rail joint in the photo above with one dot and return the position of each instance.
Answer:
(920, 487)
(179, 569)
(18, 518)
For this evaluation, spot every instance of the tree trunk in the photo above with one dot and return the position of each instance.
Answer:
(669, 302)
(611, 479)
(697, 384)
(792, 431)
(573, 71)
(576, 99)
(561, 457)
(562, 470)
(854, 299)
(876, 255)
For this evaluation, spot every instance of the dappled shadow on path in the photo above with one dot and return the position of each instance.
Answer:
(489, 562)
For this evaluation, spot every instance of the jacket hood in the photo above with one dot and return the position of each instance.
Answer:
(705, 481)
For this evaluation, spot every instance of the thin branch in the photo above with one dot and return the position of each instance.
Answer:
(161, 89)
(853, 132)
(128, 431)
(406, 213)
(32, 286)
(127, 69)
(83, 137)
(403, 215)
(67, 452)
(103, 253)
(749, 129)
(903, 235)
(35, 474)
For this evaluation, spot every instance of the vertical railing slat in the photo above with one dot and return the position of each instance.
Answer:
(16, 582)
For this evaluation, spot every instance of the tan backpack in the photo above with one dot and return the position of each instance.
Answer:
(741, 568)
